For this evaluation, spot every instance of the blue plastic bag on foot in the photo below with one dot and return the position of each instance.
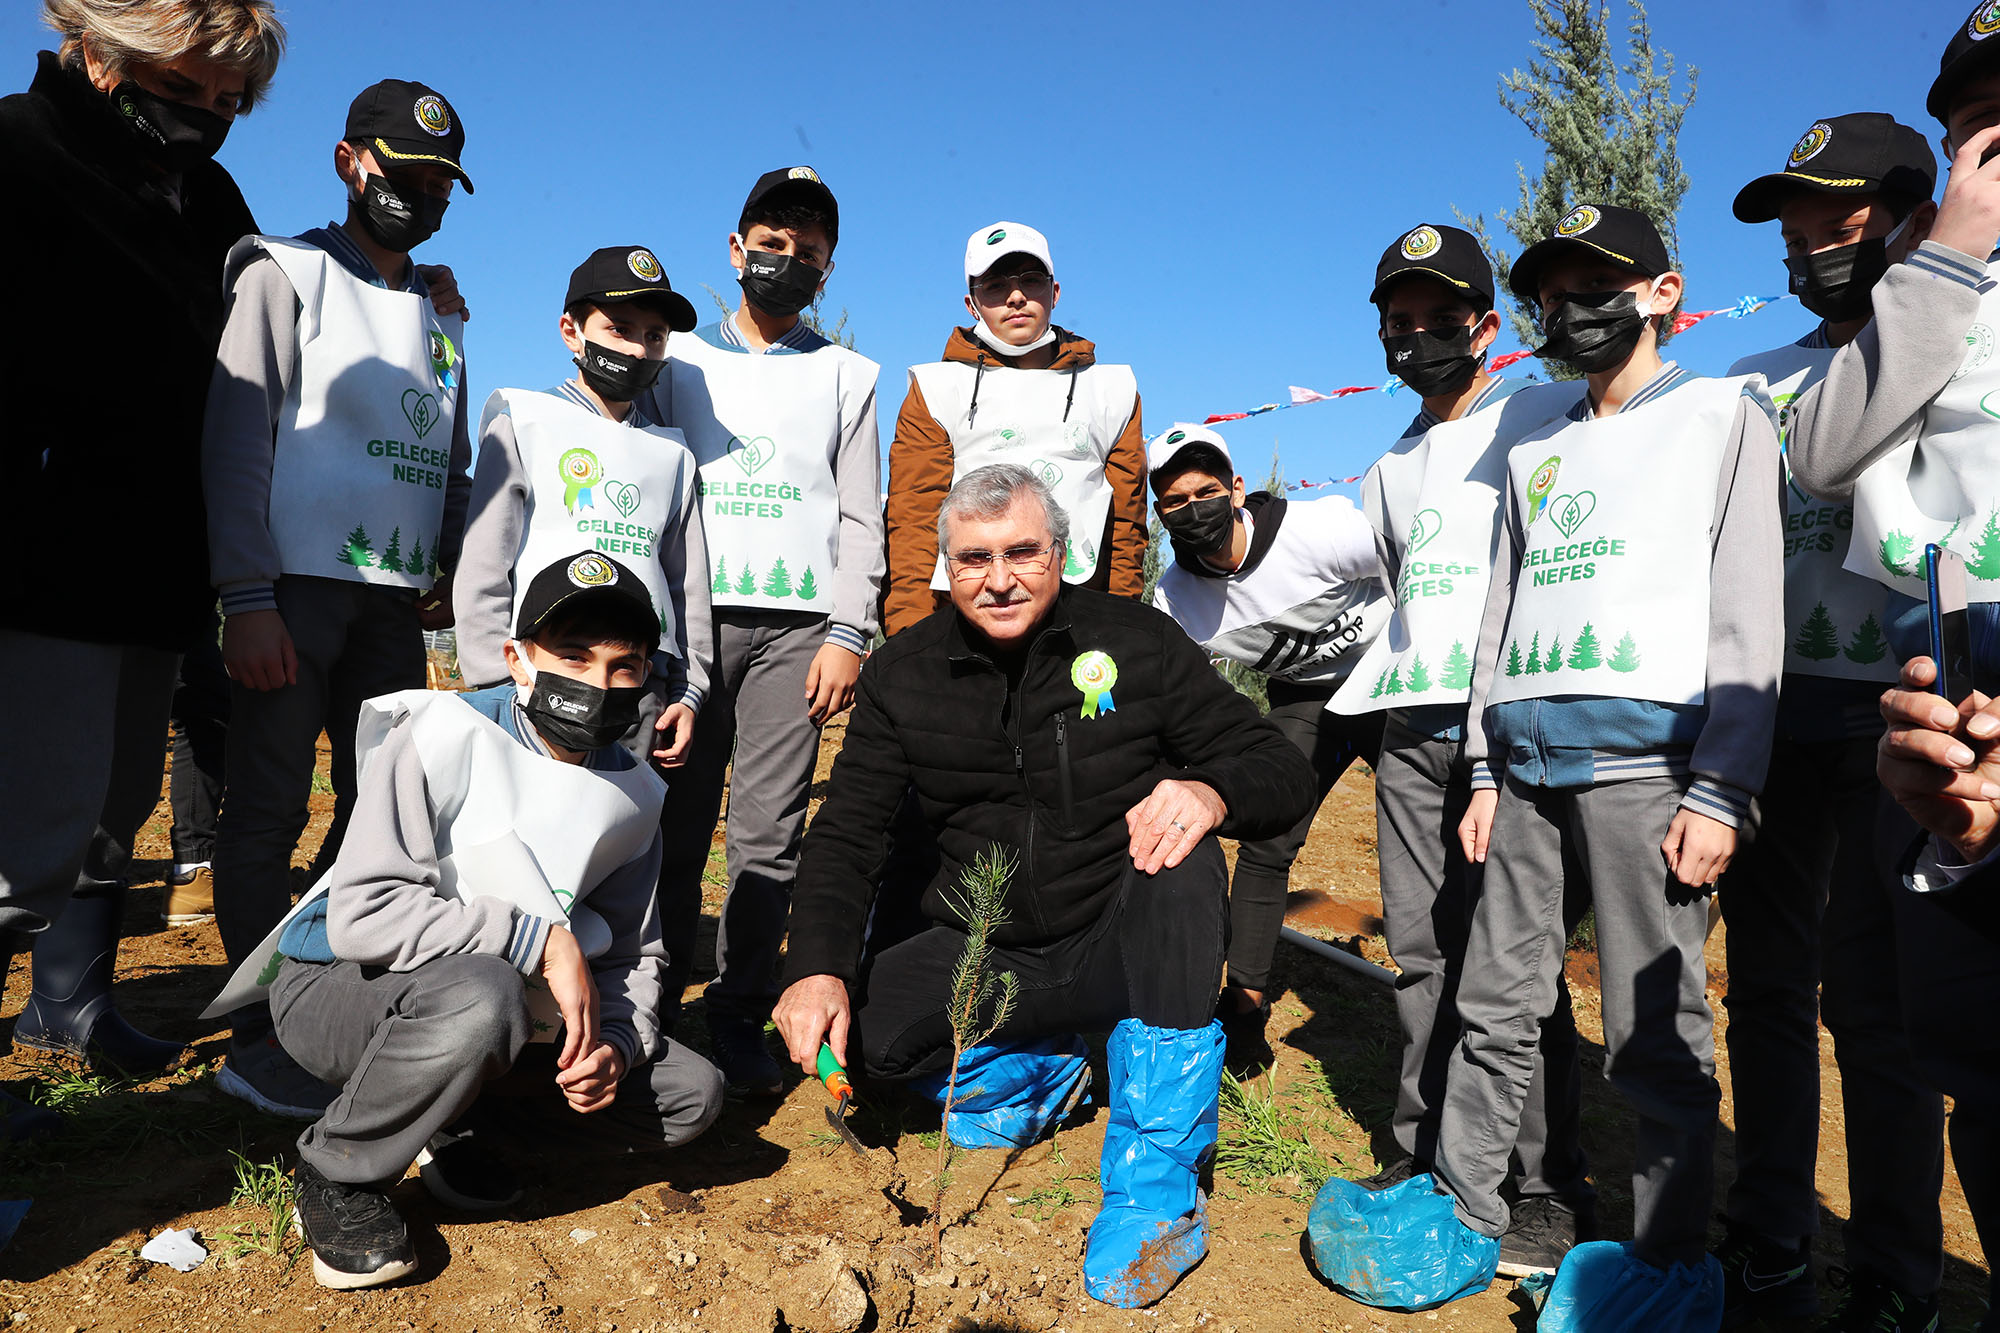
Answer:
(1603, 1287)
(1402, 1248)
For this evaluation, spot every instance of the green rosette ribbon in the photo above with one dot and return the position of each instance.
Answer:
(580, 473)
(1095, 673)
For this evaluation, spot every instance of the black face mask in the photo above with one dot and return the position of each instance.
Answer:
(395, 220)
(779, 285)
(1201, 527)
(173, 135)
(576, 715)
(1836, 284)
(1592, 331)
(615, 376)
(1430, 364)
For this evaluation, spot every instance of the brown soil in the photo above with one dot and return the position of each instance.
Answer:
(769, 1221)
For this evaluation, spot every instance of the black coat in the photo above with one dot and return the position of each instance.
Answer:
(1015, 763)
(114, 306)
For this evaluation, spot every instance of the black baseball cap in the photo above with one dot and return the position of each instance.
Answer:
(1449, 254)
(596, 577)
(1969, 55)
(408, 122)
(1624, 236)
(1867, 152)
(775, 189)
(629, 273)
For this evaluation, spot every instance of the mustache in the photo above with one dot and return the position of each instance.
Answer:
(1007, 598)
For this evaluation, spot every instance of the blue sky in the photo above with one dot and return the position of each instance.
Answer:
(1216, 181)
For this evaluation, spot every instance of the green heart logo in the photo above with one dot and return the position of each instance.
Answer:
(1569, 511)
(422, 410)
(1427, 524)
(624, 496)
(751, 455)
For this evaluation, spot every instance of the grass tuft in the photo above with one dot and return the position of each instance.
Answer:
(266, 1189)
(1262, 1139)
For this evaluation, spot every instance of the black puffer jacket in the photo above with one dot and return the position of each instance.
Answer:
(114, 309)
(1018, 765)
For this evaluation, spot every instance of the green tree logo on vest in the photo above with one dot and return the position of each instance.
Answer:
(1426, 525)
(1584, 654)
(624, 496)
(1420, 675)
(1457, 671)
(751, 455)
(415, 564)
(1539, 486)
(1868, 644)
(1897, 552)
(721, 580)
(1514, 667)
(1554, 661)
(746, 582)
(1819, 637)
(1984, 562)
(1626, 656)
(359, 550)
(1075, 568)
(580, 474)
(808, 589)
(778, 583)
(392, 554)
(422, 410)
(1569, 511)
(1534, 667)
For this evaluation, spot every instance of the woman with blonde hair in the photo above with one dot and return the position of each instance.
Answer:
(118, 222)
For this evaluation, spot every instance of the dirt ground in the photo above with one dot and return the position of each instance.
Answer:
(768, 1222)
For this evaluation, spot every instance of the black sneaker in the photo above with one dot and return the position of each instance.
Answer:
(1541, 1231)
(461, 1174)
(744, 1057)
(1395, 1173)
(1246, 1049)
(357, 1237)
(1873, 1306)
(1762, 1279)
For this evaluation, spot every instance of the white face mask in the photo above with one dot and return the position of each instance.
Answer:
(524, 692)
(1005, 348)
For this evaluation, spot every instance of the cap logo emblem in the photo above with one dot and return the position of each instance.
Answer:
(804, 174)
(999, 234)
(1177, 437)
(1578, 221)
(644, 267)
(1985, 21)
(1421, 243)
(433, 115)
(1813, 141)
(592, 571)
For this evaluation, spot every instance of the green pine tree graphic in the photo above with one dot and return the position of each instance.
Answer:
(1534, 667)
(721, 582)
(359, 551)
(1626, 656)
(392, 554)
(1395, 681)
(1381, 683)
(1420, 675)
(1867, 645)
(778, 583)
(746, 582)
(1554, 661)
(415, 564)
(1584, 654)
(1896, 552)
(1985, 561)
(808, 586)
(1514, 659)
(1457, 673)
(1818, 638)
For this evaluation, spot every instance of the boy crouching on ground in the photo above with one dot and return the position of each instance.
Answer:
(495, 889)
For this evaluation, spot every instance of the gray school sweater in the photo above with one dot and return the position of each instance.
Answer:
(254, 369)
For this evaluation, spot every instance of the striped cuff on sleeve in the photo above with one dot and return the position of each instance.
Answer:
(241, 597)
(524, 947)
(1484, 778)
(1942, 262)
(689, 695)
(848, 637)
(1718, 800)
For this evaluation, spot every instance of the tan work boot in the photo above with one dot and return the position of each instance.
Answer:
(190, 901)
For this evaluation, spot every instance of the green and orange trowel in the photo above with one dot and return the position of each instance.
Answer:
(835, 1080)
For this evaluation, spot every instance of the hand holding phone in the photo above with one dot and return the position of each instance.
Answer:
(1951, 623)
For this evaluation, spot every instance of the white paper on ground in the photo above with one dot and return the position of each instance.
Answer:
(178, 1249)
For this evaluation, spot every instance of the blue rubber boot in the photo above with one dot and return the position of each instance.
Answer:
(1603, 1287)
(1166, 1084)
(1009, 1096)
(1400, 1248)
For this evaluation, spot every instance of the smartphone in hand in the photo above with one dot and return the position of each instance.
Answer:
(1951, 622)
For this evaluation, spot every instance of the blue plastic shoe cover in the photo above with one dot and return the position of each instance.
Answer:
(1166, 1084)
(1402, 1248)
(1009, 1096)
(1603, 1287)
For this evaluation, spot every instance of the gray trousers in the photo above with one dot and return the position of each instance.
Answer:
(753, 725)
(1813, 854)
(412, 1051)
(1422, 787)
(353, 642)
(1658, 1031)
(81, 755)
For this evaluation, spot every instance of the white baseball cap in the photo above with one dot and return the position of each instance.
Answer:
(989, 245)
(1181, 436)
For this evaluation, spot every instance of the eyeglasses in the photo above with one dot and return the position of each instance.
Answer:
(1036, 286)
(1026, 558)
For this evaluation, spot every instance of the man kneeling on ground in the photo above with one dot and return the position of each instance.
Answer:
(495, 889)
(1087, 738)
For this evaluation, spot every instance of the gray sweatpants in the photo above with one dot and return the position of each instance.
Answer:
(411, 1052)
(353, 642)
(754, 726)
(1658, 1031)
(81, 756)
(1422, 787)
(1813, 853)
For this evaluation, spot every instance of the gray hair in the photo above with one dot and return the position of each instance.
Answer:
(986, 493)
(244, 35)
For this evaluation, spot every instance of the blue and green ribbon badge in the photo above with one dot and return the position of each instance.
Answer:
(1095, 673)
(580, 472)
(1539, 486)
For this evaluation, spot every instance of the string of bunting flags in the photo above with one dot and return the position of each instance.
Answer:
(1684, 321)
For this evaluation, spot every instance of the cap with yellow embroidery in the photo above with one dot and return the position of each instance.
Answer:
(405, 123)
(1623, 237)
(589, 576)
(1866, 152)
(1450, 255)
(774, 189)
